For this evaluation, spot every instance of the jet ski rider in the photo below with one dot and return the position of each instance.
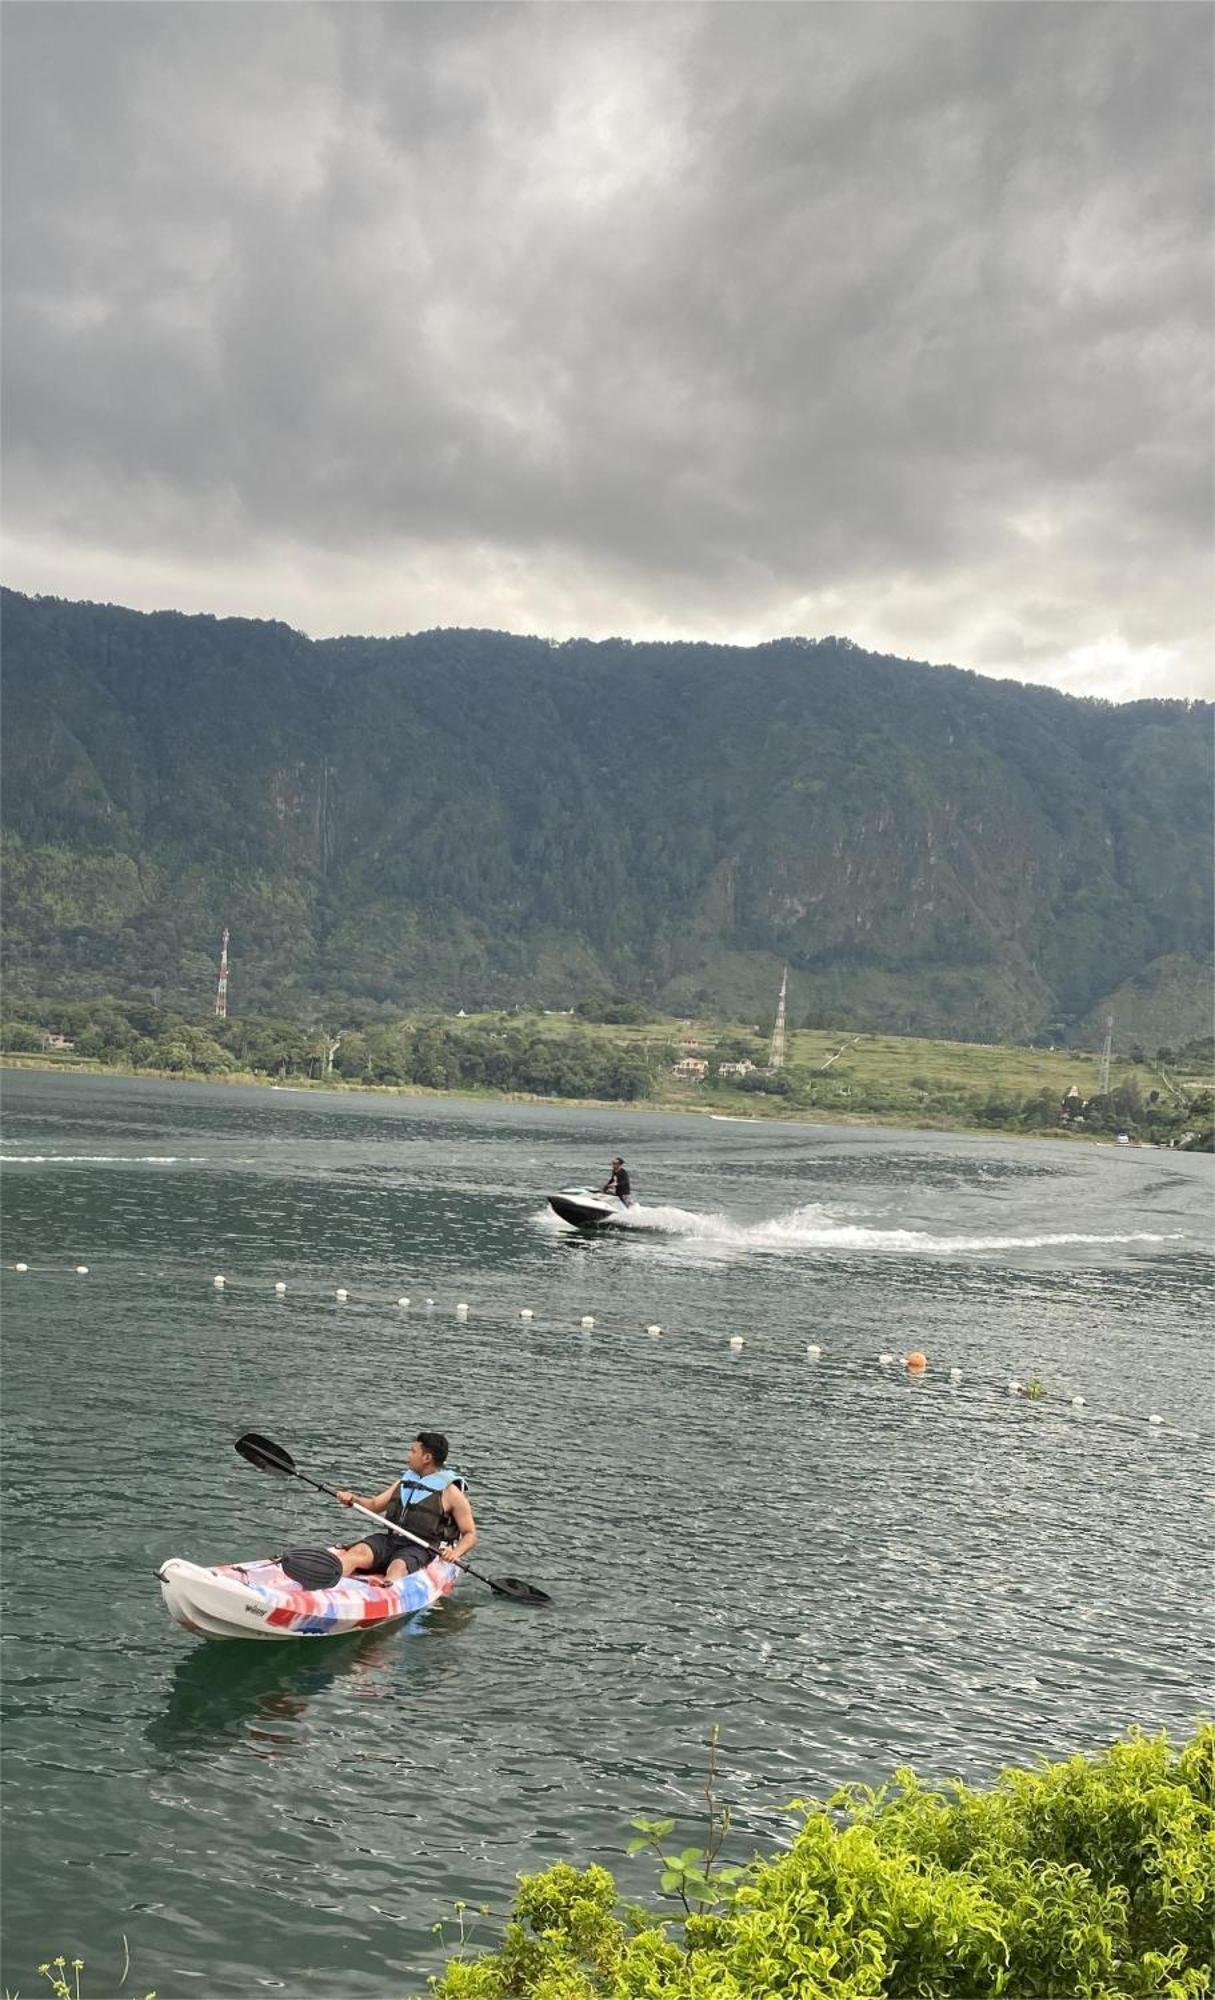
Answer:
(619, 1184)
(424, 1498)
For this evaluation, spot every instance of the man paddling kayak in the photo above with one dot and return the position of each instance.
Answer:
(426, 1499)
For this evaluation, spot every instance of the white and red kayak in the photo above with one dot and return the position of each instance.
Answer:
(258, 1600)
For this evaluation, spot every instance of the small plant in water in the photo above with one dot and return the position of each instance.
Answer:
(55, 1971)
(465, 1928)
(693, 1874)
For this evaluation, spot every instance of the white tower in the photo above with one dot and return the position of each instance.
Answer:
(777, 1058)
(221, 988)
(1103, 1073)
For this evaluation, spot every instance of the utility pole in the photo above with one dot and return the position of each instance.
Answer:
(221, 989)
(776, 1059)
(1103, 1073)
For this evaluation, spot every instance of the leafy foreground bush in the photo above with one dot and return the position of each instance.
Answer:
(1094, 1878)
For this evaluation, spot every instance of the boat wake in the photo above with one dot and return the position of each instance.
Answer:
(102, 1160)
(814, 1229)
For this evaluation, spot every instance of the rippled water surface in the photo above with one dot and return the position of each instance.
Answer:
(845, 1567)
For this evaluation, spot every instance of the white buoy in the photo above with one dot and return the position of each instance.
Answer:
(82, 1270)
(737, 1343)
(886, 1360)
(280, 1287)
(1155, 1420)
(341, 1295)
(462, 1309)
(21, 1267)
(218, 1284)
(587, 1320)
(402, 1302)
(955, 1374)
(1015, 1388)
(428, 1302)
(813, 1352)
(653, 1329)
(526, 1313)
(1077, 1402)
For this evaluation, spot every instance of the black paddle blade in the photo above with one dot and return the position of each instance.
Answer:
(314, 1569)
(518, 1591)
(265, 1454)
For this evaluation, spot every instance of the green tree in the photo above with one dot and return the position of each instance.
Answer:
(20, 1036)
(187, 1048)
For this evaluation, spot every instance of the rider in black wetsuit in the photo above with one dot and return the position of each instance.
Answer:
(619, 1184)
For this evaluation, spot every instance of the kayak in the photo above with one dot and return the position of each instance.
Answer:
(258, 1600)
(584, 1210)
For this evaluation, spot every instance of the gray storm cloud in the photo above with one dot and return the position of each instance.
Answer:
(715, 321)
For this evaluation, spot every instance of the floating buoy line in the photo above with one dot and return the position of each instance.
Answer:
(914, 1365)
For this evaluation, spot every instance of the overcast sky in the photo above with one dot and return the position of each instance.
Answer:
(726, 321)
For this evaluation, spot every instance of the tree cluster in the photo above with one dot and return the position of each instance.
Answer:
(441, 1056)
(435, 1054)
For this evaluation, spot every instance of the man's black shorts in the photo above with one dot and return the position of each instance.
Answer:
(386, 1547)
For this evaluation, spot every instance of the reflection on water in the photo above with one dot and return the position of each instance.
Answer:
(226, 1690)
(260, 1693)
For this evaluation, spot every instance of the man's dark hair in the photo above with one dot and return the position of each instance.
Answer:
(435, 1443)
(617, 1162)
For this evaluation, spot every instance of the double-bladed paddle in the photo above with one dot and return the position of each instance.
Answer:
(319, 1569)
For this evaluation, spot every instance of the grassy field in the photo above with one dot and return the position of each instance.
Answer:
(888, 1061)
(906, 1076)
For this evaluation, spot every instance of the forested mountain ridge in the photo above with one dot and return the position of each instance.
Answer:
(465, 818)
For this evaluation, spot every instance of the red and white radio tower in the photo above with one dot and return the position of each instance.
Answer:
(221, 990)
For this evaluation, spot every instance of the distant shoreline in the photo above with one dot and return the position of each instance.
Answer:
(247, 1079)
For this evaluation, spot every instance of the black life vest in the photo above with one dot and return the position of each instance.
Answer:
(417, 1505)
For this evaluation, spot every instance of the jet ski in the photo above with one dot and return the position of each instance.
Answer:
(583, 1209)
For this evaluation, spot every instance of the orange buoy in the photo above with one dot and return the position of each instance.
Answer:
(916, 1362)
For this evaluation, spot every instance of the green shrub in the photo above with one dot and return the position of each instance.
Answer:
(1092, 1878)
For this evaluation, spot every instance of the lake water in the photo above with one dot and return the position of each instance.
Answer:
(844, 1567)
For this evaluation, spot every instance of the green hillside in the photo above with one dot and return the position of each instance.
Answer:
(470, 819)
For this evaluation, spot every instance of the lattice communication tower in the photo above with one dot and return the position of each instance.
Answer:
(777, 1058)
(1107, 1049)
(221, 989)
